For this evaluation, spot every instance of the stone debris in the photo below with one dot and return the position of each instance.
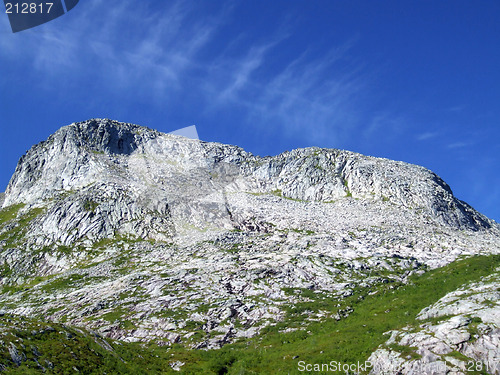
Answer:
(470, 326)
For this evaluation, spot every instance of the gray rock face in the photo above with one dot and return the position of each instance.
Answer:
(17, 358)
(469, 325)
(128, 165)
(177, 236)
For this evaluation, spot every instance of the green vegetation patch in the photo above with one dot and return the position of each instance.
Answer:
(90, 205)
(408, 352)
(62, 283)
(15, 235)
(14, 288)
(350, 339)
(119, 315)
(63, 350)
(348, 193)
(279, 193)
(10, 212)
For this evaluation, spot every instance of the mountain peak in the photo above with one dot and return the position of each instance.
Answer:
(105, 135)
(106, 219)
(130, 157)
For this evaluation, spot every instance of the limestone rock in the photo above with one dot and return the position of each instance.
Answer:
(470, 325)
(145, 236)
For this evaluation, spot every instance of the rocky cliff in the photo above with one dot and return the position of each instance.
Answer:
(146, 236)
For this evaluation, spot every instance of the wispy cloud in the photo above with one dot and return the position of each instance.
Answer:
(159, 53)
(455, 145)
(302, 93)
(427, 135)
(384, 124)
(307, 93)
(124, 43)
(238, 73)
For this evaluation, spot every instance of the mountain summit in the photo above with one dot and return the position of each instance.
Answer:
(130, 172)
(145, 236)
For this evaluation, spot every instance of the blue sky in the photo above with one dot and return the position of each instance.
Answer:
(417, 81)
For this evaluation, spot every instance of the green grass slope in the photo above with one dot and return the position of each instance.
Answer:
(357, 330)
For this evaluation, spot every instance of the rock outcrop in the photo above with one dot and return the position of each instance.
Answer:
(109, 160)
(461, 335)
(145, 236)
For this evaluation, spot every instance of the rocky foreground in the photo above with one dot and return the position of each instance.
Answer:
(147, 237)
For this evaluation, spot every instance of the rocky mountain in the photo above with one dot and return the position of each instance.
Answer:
(149, 237)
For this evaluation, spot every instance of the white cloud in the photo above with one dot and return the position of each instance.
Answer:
(239, 72)
(125, 45)
(122, 42)
(427, 135)
(302, 94)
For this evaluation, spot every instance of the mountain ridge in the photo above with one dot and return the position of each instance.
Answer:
(113, 138)
(156, 238)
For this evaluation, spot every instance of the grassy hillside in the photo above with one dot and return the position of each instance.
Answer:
(355, 332)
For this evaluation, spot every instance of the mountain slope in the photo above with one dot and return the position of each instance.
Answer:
(151, 237)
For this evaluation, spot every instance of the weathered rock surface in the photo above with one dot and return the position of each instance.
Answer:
(461, 335)
(147, 236)
(109, 160)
